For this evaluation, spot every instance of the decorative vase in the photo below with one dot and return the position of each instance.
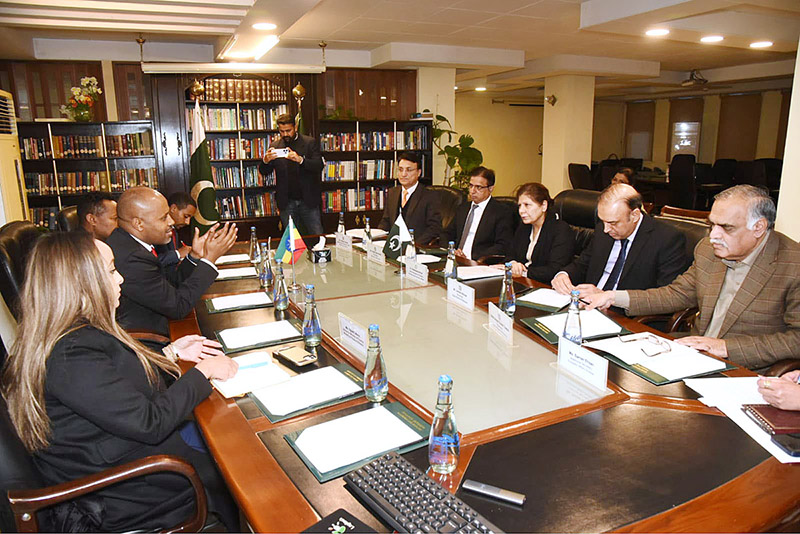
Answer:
(83, 115)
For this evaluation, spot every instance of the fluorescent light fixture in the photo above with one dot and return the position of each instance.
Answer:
(239, 55)
(761, 44)
(229, 68)
(227, 47)
(265, 46)
(711, 39)
(657, 32)
(480, 88)
(264, 26)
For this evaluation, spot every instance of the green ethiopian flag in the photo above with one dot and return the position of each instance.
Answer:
(201, 183)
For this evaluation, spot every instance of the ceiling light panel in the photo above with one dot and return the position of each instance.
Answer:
(761, 44)
(657, 32)
(711, 39)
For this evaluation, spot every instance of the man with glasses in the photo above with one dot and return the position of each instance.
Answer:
(745, 280)
(418, 204)
(629, 249)
(483, 226)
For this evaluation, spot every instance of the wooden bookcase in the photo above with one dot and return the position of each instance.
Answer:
(64, 160)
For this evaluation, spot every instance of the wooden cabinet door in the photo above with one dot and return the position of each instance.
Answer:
(171, 138)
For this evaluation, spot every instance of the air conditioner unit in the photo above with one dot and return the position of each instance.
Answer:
(12, 189)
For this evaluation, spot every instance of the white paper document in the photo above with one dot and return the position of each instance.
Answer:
(473, 272)
(353, 438)
(255, 371)
(305, 390)
(232, 258)
(359, 233)
(257, 334)
(237, 272)
(593, 323)
(258, 298)
(545, 297)
(423, 258)
(678, 362)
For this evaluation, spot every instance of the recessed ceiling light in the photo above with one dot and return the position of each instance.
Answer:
(657, 32)
(480, 88)
(761, 44)
(455, 88)
(264, 26)
(712, 39)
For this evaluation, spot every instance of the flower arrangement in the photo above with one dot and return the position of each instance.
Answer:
(81, 104)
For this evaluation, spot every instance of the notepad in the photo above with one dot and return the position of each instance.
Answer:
(473, 272)
(258, 335)
(423, 258)
(232, 258)
(593, 323)
(256, 370)
(305, 390)
(360, 233)
(237, 272)
(242, 301)
(544, 299)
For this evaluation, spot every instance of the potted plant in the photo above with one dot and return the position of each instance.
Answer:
(461, 157)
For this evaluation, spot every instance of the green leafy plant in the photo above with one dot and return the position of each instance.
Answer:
(460, 157)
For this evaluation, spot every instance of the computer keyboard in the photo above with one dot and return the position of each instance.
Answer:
(410, 501)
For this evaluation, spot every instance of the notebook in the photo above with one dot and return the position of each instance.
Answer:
(773, 420)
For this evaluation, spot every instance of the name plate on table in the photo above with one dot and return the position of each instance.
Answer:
(417, 272)
(344, 242)
(353, 335)
(461, 294)
(344, 256)
(375, 254)
(500, 323)
(582, 363)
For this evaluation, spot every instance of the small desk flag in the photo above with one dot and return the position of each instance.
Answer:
(292, 245)
(398, 238)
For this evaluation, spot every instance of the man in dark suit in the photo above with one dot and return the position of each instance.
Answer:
(629, 249)
(481, 227)
(97, 214)
(419, 205)
(297, 174)
(182, 208)
(151, 294)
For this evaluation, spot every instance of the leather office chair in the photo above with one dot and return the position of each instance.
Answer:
(580, 176)
(682, 187)
(67, 219)
(632, 163)
(578, 208)
(510, 203)
(21, 507)
(723, 172)
(17, 240)
(605, 172)
(450, 199)
(773, 168)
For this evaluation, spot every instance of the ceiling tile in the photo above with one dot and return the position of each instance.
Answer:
(501, 6)
(552, 9)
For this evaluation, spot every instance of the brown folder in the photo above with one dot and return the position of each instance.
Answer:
(774, 420)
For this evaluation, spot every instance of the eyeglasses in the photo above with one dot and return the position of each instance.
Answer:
(653, 347)
(479, 187)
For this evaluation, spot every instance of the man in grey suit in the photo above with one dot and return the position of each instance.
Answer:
(745, 280)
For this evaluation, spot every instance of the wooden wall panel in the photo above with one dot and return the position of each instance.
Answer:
(134, 97)
(367, 94)
(739, 116)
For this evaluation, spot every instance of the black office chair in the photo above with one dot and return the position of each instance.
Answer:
(450, 199)
(635, 164)
(605, 172)
(17, 240)
(723, 172)
(773, 168)
(510, 203)
(580, 176)
(67, 219)
(578, 208)
(682, 187)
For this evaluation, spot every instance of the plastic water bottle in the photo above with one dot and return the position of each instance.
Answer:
(451, 267)
(376, 383)
(280, 295)
(411, 249)
(265, 275)
(340, 228)
(572, 327)
(367, 233)
(508, 300)
(444, 444)
(255, 252)
(312, 332)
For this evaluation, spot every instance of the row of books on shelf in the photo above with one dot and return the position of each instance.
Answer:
(246, 119)
(231, 177)
(123, 179)
(232, 148)
(77, 146)
(235, 90)
(35, 148)
(253, 205)
(85, 181)
(370, 198)
(370, 169)
(44, 217)
(132, 144)
(415, 139)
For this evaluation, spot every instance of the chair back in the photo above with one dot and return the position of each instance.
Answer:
(17, 240)
(580, 176)
(723, 172)
(67, 219)
(605, 173)
(450, 199)
(693, 230)
(773, 167)
(682, 187)
(578, 208)
(751, 173)
(704, 173)
(635, 164)
(510, 203)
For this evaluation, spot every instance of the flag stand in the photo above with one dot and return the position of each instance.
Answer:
(295, 287)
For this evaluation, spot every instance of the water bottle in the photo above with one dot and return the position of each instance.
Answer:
(411, 249)
(367, 233)
(280, 295)
(265, 275)
(376, 383)
(572, 327)
(340, 228)
(508, 300)
(444, 444)
(451, 267)
(255, 252)
(312, 332)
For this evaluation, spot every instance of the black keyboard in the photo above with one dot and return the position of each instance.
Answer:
(410, 501)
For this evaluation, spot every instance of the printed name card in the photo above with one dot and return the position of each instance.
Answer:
(417, 272)
(460, 294)
(353, 335)
(344, 242)
(375, 254)
(500, 323)
(583, 363)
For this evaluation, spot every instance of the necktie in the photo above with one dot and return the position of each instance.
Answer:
(405, 198)
(153, 251)
(615, 272)
(467, 226)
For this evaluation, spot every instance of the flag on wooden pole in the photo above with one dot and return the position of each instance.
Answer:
(201, 184)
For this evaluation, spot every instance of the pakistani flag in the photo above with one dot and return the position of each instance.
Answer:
(398, 238)
(201, 183)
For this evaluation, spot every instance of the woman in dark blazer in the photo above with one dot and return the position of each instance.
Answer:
(84, 396)
(542, 244)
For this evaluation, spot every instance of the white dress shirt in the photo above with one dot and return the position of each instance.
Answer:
(476, 220)
(614, 254)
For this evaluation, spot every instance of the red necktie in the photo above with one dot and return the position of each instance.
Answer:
(153, 251)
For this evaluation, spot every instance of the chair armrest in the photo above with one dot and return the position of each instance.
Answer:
(680, 321)
(782, 367)
(492, 259)
(25, 503)
(149, 336)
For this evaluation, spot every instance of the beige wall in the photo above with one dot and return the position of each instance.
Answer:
(508, 136)
(608, 133)
(768, 125)
(435, 91)
(788, 220)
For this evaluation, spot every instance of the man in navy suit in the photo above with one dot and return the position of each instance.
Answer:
(182, 208)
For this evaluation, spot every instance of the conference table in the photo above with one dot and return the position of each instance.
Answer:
(634, 457)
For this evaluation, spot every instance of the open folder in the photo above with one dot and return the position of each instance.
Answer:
(255, 371)
(243, 301)
(236, 273)
(259, 335)
(594, 325)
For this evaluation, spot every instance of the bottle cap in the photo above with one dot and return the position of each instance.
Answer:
(252, 228)
(310, 287)
(508, 265)
(575, 293)
(373, 327)
(445, 379)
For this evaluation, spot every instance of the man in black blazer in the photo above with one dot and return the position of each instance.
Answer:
(297, 174)
(419, 205)
(489, 230)
(629, 249)
(152, 295)
(182, 208)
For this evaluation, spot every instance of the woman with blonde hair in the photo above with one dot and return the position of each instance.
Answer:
(85, 396)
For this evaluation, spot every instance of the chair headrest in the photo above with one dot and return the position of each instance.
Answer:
(17, 239)
(577, 207)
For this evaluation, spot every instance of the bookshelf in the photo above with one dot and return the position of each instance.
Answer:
(240, 117)
(361, 159)
(63, 160)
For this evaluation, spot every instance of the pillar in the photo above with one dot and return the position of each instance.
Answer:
(709, 129)
(567, 126)
(661, 134)
(767, 142)
(436, 92)
(109, 90)
(788, 215)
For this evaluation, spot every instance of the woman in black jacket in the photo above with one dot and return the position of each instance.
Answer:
(85, 396)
